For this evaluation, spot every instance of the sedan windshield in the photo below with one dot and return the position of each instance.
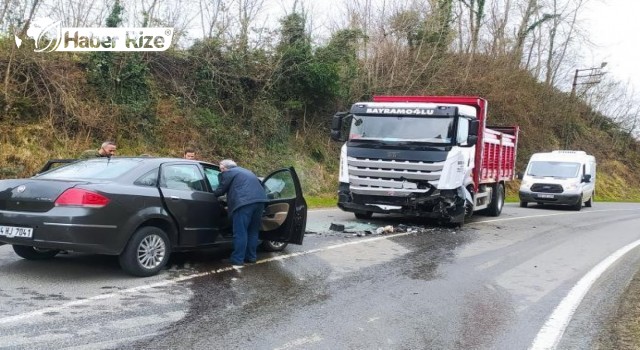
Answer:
(554, 169)
(98, 168)
(402, 128)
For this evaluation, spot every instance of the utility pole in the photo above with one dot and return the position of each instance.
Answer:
(594, 74)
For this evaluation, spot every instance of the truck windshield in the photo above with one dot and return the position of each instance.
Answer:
(554, 169)
(402, 128)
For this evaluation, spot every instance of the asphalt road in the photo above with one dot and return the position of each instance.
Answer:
(535, 277)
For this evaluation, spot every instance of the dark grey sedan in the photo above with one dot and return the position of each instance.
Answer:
(140, 209)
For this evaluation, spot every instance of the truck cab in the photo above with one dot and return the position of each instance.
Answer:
(418, 156)
(560, 177)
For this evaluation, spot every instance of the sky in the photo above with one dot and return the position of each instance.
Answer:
(614, 27)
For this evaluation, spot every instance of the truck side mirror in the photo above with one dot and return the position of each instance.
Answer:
(474, 126)
(472, 140)
(337, 124)
(586, 178)
(519, 176)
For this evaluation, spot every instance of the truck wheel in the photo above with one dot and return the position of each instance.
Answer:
(146, 253)
(523, 204)
(364, 216)
(497, 201)
(33, 253)
(589, 203)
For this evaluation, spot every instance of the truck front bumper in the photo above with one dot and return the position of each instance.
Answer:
(444, 204)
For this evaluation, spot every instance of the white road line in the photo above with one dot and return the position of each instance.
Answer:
(296, 343)
(551, 332)
(40, 312)
(556, 214)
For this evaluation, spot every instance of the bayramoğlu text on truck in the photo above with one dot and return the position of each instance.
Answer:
(426, 156)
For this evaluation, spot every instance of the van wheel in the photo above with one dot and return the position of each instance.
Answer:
(589, 203)
(523, 204)
(33, 253)
(364, 216)
(578, 205)
(146, 253)
(273, 246)
(497, 201)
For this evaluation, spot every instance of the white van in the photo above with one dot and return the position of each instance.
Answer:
(559, 177)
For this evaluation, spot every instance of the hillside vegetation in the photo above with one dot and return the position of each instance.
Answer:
(270, 105)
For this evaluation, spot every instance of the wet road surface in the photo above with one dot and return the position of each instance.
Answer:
(490, 285)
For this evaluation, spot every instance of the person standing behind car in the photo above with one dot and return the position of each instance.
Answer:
(245, 202)
(107, 149)
(189, 153)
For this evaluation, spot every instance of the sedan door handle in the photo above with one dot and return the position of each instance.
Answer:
(175, 198)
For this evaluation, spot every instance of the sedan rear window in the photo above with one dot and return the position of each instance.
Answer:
(99, 168)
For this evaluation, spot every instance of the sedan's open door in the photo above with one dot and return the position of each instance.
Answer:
(285, 215)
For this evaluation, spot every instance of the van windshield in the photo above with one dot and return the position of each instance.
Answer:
(554, 169)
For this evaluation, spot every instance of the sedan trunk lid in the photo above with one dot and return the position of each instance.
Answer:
(32, 195)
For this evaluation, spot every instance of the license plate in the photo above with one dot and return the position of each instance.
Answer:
(545, 196)
(12, 231)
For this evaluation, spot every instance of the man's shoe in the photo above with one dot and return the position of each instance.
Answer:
(232, 263)
(250, 261)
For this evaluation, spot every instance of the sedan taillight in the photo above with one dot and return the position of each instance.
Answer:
(81, 198)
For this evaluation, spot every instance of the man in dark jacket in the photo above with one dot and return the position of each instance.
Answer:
(245, 202)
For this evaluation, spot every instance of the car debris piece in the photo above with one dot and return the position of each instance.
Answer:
(336, 227)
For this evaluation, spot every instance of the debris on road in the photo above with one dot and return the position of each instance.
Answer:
(336, 227)
(362, 230)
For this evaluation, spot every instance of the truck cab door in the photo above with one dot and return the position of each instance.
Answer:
(285, 214)
(190, 202)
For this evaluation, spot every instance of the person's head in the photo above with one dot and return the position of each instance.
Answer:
(107, 149)
(227, 164)
(189, 153)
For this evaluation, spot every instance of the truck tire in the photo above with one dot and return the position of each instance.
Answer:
(364, 216)
(146, 253)
(497, 201)
(523, 204)
(589, 203)
(33, 253)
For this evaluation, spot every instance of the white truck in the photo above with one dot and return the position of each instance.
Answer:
(559, 177)
(427, 156)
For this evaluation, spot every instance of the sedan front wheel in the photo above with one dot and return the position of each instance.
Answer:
(146, 253)
(273, 246)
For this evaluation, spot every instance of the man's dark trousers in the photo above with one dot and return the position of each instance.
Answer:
(246, 227)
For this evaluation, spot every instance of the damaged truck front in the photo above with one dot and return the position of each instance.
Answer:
(427, 156)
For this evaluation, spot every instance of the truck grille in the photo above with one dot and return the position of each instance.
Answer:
(546, 188)
(391, 177)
